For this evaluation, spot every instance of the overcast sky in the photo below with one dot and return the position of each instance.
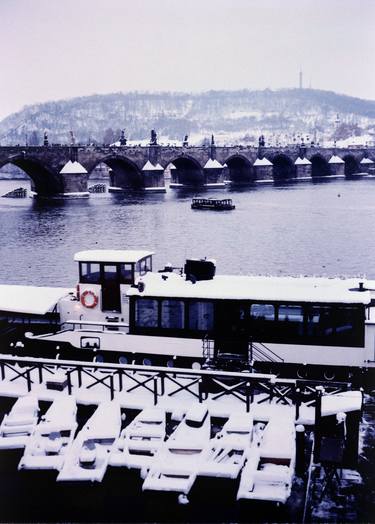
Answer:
(53, 49)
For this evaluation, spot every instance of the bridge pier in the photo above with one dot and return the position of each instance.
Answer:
(303, 169)
(263, 169)
(336, 166)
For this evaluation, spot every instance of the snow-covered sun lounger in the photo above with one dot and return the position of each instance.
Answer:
(269, 469)
(227, 451)
(177, 464)
(52, 438)
(88, 456)
(140, 440)
(19, 423)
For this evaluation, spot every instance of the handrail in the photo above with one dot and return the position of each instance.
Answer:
(266, 352)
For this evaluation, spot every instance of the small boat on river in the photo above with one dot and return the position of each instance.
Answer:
(214, 204)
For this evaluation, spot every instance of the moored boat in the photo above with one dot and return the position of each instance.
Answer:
(124, 311)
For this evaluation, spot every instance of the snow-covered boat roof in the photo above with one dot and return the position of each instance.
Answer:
(366, 161)
(33, 300)
(262, 162)
(302, 161)
(335, 160)
(73, 168)
(112, 255)
(212, 164)
(262, 288)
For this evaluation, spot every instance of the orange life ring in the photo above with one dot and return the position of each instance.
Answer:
(92, 299)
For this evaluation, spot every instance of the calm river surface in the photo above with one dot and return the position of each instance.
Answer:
(325, 228)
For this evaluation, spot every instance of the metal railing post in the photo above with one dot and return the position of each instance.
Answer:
(200, 390)
(2, 367)
(248, 396)
(318, 422)
(120, 385)
(298, 401)
(28, 378)
(68, 374)
(155, 384)
(112, 387)
(79, 373)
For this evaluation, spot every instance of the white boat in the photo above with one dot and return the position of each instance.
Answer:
(52, 438)
(269, 469)
(228, 449)
(19, 423)
(140, 440)
(88, 456)
(177, 464)
(122, 311)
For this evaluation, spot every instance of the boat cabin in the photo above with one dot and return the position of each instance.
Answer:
(234, 310)
(105, 276)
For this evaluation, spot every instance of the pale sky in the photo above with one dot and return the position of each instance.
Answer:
(53, 49)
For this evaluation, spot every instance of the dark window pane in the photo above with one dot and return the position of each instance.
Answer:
(146, 313)
(262, 312)
(201, 316)
(110, 273)
(126, 273)
(291, 313)
(172, 314)
(90, 273)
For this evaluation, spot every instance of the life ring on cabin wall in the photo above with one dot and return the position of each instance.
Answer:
(89, 299)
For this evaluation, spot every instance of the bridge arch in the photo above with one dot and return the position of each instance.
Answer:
(283, 167)
(351, 165)
(125, 173)
(44, 180)
(319, 166)
(240, 169)
(188, 171)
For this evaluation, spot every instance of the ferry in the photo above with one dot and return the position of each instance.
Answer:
(123, 311)
(214, 204)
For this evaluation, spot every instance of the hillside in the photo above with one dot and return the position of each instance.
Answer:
(233, 116)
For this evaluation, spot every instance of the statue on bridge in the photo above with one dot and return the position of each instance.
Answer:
(212, 140)
(72, 138)
(154, 138)
(45, 139)
(185, 142)
(123, 139)
(262, 141)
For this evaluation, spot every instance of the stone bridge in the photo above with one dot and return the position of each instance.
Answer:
(63, 171)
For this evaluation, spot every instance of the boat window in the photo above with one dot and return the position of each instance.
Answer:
(144, 265)
(90, 273)
(291, 313)
(126, 274)
(110, 273)
(172, 314)
(262, 311)
(146, 313)
(201, 316)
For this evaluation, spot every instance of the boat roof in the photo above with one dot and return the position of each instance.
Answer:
(33, 300)
(112, 255)
(258, 288)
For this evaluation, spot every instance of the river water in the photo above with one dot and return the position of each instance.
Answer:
(322, 228)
